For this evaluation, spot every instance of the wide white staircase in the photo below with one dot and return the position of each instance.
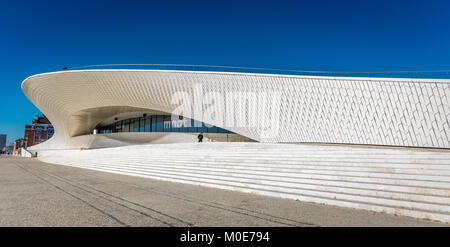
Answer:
(409, 182)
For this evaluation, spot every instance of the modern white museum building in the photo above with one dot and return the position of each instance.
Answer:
(380, 144)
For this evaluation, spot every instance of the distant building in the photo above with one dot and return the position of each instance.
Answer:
(37, 132)
(2, 142)
(8, 149)
(18, 144)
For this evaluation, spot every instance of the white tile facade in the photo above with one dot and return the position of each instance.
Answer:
(377, 111)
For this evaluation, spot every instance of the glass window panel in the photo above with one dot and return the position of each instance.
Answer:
(118, 127)
(212, 129)
(189, 129)
(196, 126)
(130, 125)
(141, 124)
(203, 129)
(159, 124)
(184, 123)
(176, 124)
(126, 126)
(167, 124)
(173, 124)
(148, 124)
(136, 125)
(153, 123)
(191, 125)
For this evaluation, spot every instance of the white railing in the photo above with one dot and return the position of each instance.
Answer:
(437, 74)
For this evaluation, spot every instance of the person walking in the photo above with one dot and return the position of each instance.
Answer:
(200, 137)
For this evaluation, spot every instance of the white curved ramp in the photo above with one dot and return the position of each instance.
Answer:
(409, 182)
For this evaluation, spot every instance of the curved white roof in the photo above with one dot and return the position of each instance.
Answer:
(375, 111)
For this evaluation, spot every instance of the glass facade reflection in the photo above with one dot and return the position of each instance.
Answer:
(160, 123)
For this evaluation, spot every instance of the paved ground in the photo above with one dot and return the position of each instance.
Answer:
(33, 193)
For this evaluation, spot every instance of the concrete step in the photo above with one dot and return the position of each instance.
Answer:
(297, 159)
(239, 178)
(269, 163)
(297, 176)
(419, 194)
(275, 165)
(375, 204)
(387, 174)
(393, 176)
(401, 181)
(238, 155)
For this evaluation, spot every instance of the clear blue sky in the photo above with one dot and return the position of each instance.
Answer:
(42, 36)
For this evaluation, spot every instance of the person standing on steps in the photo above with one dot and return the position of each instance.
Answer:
(200, 137)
